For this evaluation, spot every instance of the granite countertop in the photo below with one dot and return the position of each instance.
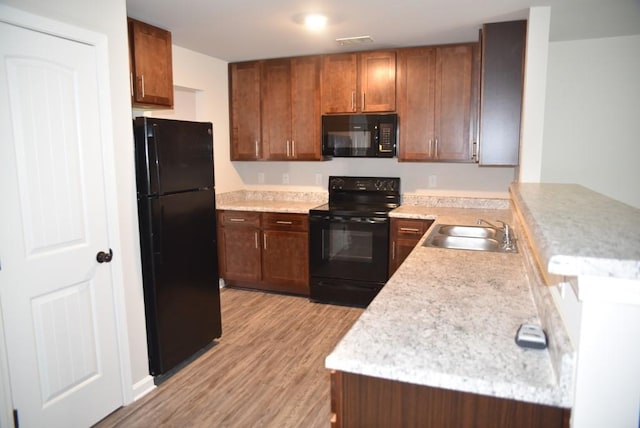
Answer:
(580, 232)
(297, 207)
(448, 318)
(270, 201)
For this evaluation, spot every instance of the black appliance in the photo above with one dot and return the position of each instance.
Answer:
(349, 240)
(359, 135)
(177, 216)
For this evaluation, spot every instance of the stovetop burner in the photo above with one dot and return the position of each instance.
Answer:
(361, 196)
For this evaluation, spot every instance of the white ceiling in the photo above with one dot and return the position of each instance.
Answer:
(237, 30)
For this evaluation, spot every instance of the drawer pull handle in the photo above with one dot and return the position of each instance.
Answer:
(237, 220)
(409, 229)
(283, 222)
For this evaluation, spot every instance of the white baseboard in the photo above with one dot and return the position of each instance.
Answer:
(143, 387)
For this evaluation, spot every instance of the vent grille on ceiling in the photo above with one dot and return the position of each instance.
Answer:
(354, 40)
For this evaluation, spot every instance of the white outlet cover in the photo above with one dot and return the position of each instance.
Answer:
(285, 178)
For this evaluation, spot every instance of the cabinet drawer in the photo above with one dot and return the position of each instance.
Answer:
(411, 229)
(239, 218)
(288, 222)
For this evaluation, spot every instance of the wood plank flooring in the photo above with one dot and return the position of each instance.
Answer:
(267, 370)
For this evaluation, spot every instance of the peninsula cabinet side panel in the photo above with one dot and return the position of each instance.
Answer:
(359, 401)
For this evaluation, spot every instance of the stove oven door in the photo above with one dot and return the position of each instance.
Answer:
(349, 248)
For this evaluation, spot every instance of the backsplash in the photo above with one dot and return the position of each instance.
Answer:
(271, 195)
(454, 201)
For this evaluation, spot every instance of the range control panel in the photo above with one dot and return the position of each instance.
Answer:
(368, 184)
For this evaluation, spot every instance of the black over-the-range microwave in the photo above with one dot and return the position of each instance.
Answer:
(359, 135)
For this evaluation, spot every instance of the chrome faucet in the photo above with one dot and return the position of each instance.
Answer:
(507, 242)
(481, 220)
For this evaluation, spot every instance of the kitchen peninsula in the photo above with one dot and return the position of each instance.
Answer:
(445, 323)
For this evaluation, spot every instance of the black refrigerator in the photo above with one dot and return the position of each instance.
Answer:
(177, 218)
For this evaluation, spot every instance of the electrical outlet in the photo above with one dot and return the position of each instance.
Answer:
(433, 181)
(261, 178)
(318, 179)
(285, 178)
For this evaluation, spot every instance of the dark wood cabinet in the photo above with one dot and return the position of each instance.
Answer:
(363, 401)
(437, 102)
(405, 234)
(266, 251)
(285, 261)
(359, 82)
(239, 251)
(291, 108)
(503, 52)
(244, 90)
(151, 67)
(275, 109)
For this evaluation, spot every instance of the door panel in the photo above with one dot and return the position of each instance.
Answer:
(181, 288)
(57, 301)
(453, 102)
(178, 155)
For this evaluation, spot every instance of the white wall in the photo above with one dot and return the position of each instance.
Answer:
(534, 92)
(414, 176)
(109, 18)
(592, 116)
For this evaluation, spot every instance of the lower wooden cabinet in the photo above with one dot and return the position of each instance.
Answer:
(363, 401)
(266, 251)
(405, 234)
(239, 253)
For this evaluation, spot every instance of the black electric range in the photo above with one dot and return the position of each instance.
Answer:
(349, 240)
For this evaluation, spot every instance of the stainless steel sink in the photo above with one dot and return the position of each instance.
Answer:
(477, 238)
(465, 243)
(470, 231)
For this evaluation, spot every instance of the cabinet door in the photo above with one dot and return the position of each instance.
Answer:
(405, 234)
(377, 81)
(245, 110)
(239, 251)
(151, 65)
(339, 83)
(285, 261)
(285, 253)
(503, 51)
(305, 124)
(416, 103)
(453, 103)
(276, 109)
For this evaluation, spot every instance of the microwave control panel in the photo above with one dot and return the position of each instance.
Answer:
(386, 141)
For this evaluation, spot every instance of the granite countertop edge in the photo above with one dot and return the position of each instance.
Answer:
(566, 223)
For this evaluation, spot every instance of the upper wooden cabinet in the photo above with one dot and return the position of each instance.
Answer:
(151, 71)
(437, 103)
(291, 109)
(275, 109)
(244, 89)
(359, 82)
(503, 51)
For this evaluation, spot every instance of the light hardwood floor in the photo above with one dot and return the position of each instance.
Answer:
(267, 370)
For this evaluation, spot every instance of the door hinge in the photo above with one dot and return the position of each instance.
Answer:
(16, 421)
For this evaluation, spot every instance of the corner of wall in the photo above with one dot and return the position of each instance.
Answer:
(534, 94)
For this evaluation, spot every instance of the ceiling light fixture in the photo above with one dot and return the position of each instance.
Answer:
(354, 40)
(315, 21)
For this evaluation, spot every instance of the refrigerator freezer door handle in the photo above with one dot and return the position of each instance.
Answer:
(156, 159)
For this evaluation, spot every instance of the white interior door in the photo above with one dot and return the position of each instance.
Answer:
(57, 301)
